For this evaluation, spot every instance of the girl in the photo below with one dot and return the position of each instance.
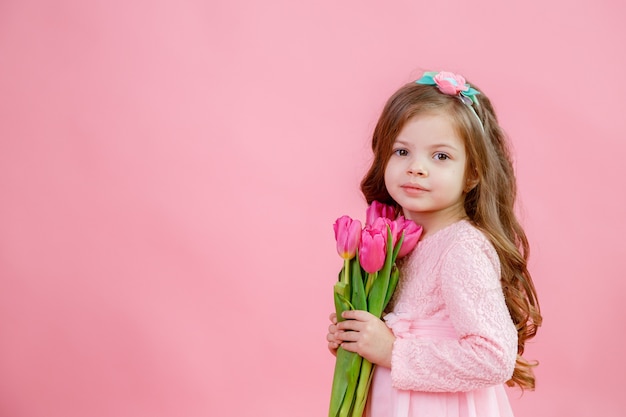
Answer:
(466, 303)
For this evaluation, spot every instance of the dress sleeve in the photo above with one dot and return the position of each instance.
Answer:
(485, 350)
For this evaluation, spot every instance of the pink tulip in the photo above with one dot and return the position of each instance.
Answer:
(373, 249)
(348, 236)
(381, 224)
(412, 233)
(376, 210)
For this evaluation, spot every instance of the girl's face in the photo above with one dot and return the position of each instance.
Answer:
(425, 174)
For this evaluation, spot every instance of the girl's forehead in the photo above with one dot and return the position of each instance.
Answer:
(446, 113)
(430, 126)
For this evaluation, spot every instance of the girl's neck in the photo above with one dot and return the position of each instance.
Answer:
(432, 222)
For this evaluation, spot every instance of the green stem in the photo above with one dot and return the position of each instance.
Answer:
(345, 365)
(352, 376)
(362, 389)
(342, 291)
(370, 282)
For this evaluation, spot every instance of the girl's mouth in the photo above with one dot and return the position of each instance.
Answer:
(413, 189)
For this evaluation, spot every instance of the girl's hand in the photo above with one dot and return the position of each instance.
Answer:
(333, 342)
(367, 335)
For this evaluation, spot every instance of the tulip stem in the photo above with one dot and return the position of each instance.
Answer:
(345, 277)
(370, 282)
(362, 389)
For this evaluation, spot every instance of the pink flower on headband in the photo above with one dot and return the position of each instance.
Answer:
(450, 83)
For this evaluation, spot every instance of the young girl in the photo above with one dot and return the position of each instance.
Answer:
(466, 304)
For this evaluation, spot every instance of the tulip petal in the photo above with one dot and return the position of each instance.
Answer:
(372, 250)
(378, 210)
(347, 235)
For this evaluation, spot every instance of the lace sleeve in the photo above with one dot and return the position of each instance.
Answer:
(485, 350)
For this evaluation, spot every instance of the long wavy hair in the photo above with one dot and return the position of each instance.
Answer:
(490, 205)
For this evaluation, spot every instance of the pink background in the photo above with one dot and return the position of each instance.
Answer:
(170, 171)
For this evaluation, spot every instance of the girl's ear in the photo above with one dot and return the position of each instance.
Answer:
(471, 182)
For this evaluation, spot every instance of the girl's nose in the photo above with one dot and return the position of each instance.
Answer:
(417, 169)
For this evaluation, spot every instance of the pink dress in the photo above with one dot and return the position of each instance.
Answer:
(455, 341)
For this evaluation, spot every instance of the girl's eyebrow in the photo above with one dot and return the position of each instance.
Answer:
(444, 145)
(435, 145)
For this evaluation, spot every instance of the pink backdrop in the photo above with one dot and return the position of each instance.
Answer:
(170, 170)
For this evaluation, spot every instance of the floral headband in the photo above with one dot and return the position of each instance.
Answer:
(453, 85)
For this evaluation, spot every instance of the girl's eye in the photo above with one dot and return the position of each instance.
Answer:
(440, 156)
(401, 152)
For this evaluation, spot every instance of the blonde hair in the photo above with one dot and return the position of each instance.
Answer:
(490, 205)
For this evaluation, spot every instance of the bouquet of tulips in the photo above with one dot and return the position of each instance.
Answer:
(366, 282)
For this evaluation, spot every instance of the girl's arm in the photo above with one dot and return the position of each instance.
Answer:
(485, 351)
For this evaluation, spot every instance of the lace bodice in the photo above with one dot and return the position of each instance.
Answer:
(452, 277)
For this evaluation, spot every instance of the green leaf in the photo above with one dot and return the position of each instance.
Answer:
(347, 365)
(377, 295)
(386, 270)
(358, 298)
(362, 389)
(352, 376)
(342, 303)
(397, 248)
(393, 283)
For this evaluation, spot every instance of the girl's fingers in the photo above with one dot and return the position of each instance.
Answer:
(348, 336)
(359, 315)
(332, 347)
(333, 342)
(333, 318)
(350, 347)
(332, 335)
(348, 325)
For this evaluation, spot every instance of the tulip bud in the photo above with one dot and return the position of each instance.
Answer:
(373, 249)
(376, 210)
(412, 233)
(381, 224)
(348, 236)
